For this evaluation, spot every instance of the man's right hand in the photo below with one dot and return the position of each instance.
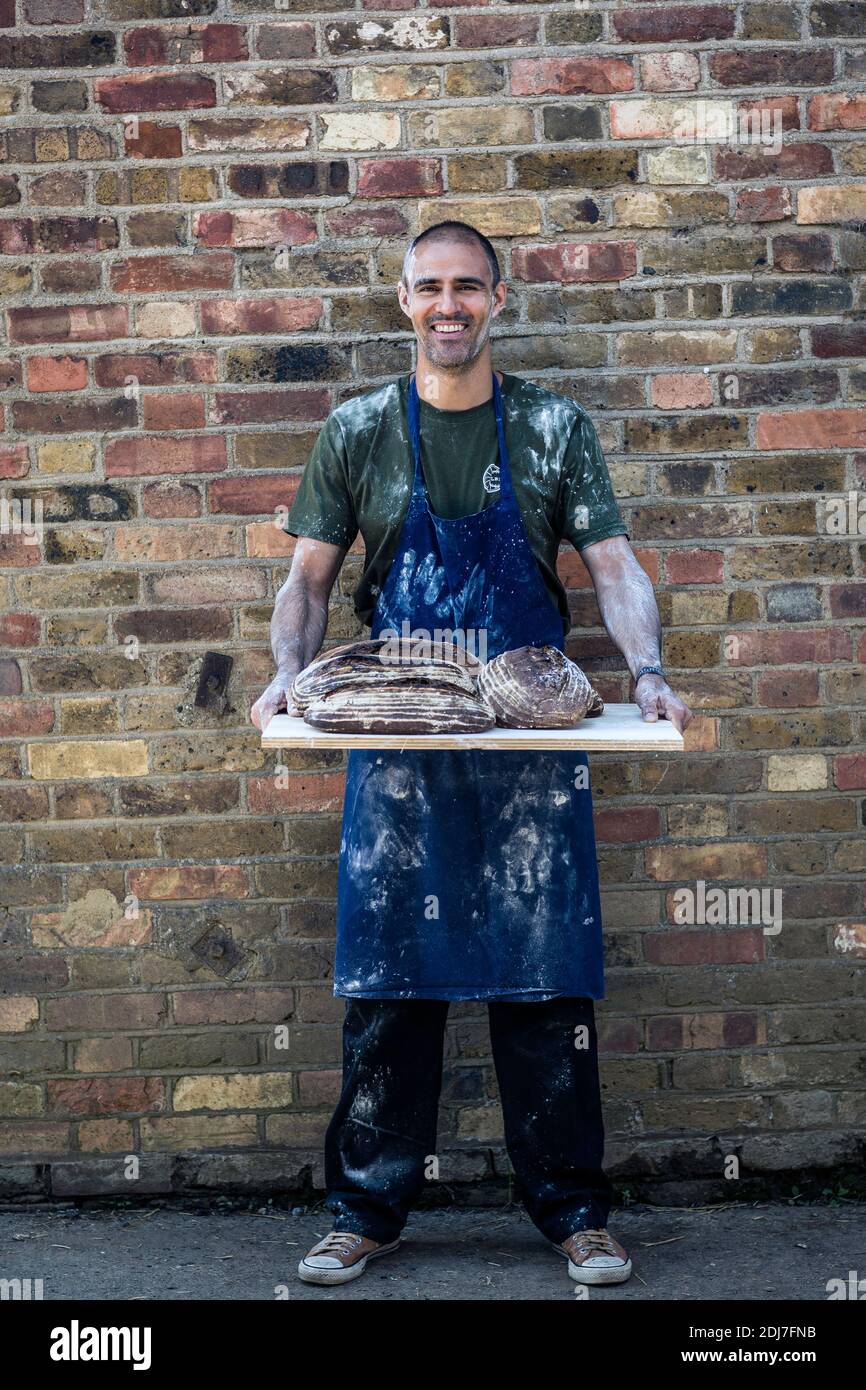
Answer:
(275, 700)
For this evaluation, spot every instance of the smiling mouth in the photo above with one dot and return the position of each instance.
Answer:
(449, 329)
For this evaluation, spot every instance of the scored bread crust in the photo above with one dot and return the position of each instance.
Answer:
(410, 708)
(537, 688)
(379, 663)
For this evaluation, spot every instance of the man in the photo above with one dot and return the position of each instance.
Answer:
(467, 874)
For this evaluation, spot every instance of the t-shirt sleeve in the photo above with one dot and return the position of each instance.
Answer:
(323, 507)
(589, 511)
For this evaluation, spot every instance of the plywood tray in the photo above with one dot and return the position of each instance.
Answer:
(620, 729)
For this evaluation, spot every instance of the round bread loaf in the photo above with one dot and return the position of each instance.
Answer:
(535, 688)
(596, 705)
(400, 709)
(378, 663)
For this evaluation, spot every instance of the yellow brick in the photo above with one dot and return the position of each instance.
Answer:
(263, 1091)
(17, 1012)
(66, 456)
(801, 773)
(196, 185)
(825, 203)
(360, 130)
(492, 216)
(109, 758)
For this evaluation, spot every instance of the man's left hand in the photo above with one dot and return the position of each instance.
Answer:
(658, 701)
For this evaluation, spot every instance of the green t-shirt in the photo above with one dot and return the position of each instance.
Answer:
(359, 477)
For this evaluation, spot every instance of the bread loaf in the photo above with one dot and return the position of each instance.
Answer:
(408, 708)
(378, 663)
(536, 688)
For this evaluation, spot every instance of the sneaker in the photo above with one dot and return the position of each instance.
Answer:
(594, 1257)
(341, 1256)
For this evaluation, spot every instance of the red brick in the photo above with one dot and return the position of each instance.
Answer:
(244, 496)
(399, 178)
(174, 92)
(159, 46)
(694, 567)
(186, 882)
(259, 227)
(288, 40)
(147, 140)
(13, 461)
(155, 368)
(626, 824)
(102, 1095)
(787, 689)
(175, 410)
(307, 791)
(56, 373)
(723, 945)
(801, 160)
(681, 391)
(812, 429)
(232, 1006)
(20, 718)
(848, 600)
(76, 323)
(264, 407)
(777, 647)
(763, 204)
(132, 458)
(19, 629)
(759, 67)
(495, 30)
(570, 263)
(698, 23)
(221, 316)
(837, 111)
(567, 76)
(795, 252)
(849, 771)
(352, 222)
(199, 272)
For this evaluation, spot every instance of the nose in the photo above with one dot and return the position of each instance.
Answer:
(449, 302)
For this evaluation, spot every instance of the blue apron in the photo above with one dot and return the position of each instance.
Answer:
(468, 874)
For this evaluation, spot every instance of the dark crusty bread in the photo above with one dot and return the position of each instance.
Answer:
(411, 708)
(378, 663)
(536, 688)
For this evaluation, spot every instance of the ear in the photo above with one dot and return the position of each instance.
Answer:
(403, 297)
(499, 297)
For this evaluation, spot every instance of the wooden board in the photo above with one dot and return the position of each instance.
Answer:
(620, 729)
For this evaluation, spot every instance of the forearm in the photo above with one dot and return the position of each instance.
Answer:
(630, 613)
(298, 625)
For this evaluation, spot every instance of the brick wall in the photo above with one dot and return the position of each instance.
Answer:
(204, 206)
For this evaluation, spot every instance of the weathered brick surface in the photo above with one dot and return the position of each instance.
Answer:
(202, 211)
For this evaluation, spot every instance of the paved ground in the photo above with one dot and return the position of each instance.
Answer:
(732, 1252)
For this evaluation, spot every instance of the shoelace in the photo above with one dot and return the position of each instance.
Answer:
(598, 1241)
(341, 1242)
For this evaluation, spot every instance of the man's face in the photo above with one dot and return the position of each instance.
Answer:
(451, 300)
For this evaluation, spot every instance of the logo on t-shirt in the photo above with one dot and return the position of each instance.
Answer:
(491, 478)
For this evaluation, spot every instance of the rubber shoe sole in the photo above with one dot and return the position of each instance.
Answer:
(312, 1274)
(599, 1274)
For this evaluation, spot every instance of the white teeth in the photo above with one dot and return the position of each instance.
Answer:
(448, 327)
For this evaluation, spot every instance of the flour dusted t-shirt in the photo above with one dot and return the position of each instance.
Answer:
(359, 477)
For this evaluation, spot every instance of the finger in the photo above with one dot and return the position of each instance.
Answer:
(674, 710)
(650, 709)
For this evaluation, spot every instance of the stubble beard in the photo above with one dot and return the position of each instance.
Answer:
(474, 348)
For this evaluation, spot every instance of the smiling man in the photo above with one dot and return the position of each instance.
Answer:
(465, 874)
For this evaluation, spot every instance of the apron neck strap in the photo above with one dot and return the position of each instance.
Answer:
(415, 436)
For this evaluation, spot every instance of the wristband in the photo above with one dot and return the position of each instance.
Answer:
(647, 671)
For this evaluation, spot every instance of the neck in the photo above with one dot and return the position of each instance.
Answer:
(455, 390)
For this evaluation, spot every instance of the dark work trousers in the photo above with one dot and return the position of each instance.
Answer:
(380, 1142)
